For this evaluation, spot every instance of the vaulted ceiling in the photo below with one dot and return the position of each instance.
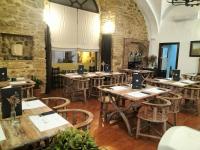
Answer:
(158, 11)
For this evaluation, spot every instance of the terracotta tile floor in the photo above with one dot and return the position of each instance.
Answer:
(115, 137)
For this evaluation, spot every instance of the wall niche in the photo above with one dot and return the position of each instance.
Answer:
(16, 47)
(135, 51)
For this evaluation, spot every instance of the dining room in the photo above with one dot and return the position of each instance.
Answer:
(99, 74)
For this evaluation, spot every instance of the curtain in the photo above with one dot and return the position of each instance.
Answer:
(63, 25)
(88, 30)
(72, 28)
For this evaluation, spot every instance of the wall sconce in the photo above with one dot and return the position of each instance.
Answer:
(46, 11)
(51, 17)
(108, 27)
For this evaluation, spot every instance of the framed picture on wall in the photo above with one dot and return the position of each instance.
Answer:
(195, 49)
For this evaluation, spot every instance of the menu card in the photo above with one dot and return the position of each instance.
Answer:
(118, 88)
(137, 94)
(154, 90)
(2, 135)
(32, 104)
(48, 122)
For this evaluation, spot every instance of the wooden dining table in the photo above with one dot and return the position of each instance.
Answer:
(25, 132)
(89, 75)
(145, 73)
(134, 96)
(192, 76)
(169, 82)
(67, 79)
(21, 82)
(16, 83)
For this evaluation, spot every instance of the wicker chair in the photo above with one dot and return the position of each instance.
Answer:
(192, 93)
(153, 111)
(106, 113)
(80, 85)
(175, 100)
(79, 118)
(118, 79)
(67, 87)
(95, 82)
(104, 103)
(56, 103)
(27, 92)
(151, 82)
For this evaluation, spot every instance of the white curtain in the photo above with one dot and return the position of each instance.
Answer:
(63, 26)
(72, 28)
(88, 30)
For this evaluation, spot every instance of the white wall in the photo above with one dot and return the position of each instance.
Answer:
(182, 31)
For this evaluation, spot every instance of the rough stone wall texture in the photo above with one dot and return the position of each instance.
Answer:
(129, 23)
(25, 17)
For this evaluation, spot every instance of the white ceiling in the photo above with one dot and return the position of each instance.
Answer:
(157, 11)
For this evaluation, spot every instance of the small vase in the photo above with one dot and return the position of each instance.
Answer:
(14, 121)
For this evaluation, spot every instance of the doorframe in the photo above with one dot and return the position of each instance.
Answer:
(159, 52)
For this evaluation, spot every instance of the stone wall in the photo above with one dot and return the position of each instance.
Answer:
(25, 17)
(129, 23)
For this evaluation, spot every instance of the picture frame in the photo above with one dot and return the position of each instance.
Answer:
(195, 49)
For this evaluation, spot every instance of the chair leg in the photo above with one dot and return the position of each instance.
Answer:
(85, 95)
(164, 127)
(175, 119)
(198, 107)
(102, 111)
(138, 127)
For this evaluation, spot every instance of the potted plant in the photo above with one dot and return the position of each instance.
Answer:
(73, 139)
(152, 61)
(38, 82)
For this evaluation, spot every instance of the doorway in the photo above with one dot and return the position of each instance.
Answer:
(168, 58)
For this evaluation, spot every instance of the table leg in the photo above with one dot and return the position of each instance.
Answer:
(121, 114)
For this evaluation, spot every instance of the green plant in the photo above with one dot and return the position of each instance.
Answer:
(37, 81)
(73, 139)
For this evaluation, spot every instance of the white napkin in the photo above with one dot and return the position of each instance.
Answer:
(2, 135)
(91, 74)
(118, 88)
(153, 90)
(17, 82)
(187, 81)
(179, 83)
(162, 80)
(137, 94)
(32, 104)
(116, 73)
